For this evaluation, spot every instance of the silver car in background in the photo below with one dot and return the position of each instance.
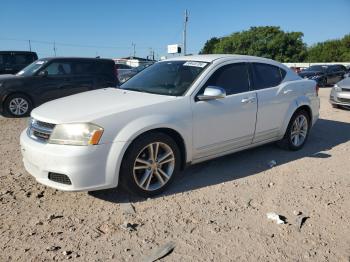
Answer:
(340, 93)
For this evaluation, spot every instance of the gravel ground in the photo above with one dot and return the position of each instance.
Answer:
(215, 211)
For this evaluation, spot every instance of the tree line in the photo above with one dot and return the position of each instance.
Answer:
(272, 42)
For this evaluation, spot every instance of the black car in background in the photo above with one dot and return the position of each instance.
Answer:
(11, 62)
(324, 74)
(51, 78)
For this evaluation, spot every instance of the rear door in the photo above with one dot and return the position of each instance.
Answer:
(225, 124)
(104, 74)
(274, 100)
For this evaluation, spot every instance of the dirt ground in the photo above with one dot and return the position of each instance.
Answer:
(215, 211)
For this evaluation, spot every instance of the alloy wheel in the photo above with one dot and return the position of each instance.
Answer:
(154, 166)
(299, 130)
(18, 106)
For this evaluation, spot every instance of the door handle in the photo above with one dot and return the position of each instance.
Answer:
(247, 100)
(287, 91)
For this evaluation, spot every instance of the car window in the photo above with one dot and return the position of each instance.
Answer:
(59, 68)
(23, 59)
(266, 75)
(233, 78)
(80, 68)
(5, 59)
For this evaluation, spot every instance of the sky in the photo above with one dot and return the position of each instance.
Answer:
(108, 28)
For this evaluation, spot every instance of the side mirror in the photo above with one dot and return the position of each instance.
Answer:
(43, 73)
(211, 93)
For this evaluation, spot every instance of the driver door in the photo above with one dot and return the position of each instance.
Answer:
(222, 125)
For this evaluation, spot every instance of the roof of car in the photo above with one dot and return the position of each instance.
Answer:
(212, 57)
(17, 52)
(77, 58)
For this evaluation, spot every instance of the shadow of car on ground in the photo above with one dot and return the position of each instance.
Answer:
(325, 135)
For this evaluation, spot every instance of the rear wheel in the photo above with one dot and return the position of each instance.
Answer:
(150, 164)
(18, 105)
(297, 131)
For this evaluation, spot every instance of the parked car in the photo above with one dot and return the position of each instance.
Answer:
(51, 78)
(340, 93)
(127, 75)
(11, 62)
(324, 74)
(174, 113)
(122, 69)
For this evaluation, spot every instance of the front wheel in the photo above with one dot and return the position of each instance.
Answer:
(297, 131)
(18, 105)
(150, 164)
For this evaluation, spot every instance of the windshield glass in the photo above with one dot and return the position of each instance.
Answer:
(32, 68)
(171, 78)
(316, 68)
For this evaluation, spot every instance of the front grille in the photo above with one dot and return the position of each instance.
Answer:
(60, 178)
(39, 130)
(344, 100)
(345, 90)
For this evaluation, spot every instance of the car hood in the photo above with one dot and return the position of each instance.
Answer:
(91, 105)
(310, 73)
(345, 83)
(7, 77)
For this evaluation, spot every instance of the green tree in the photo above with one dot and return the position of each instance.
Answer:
(330, 51)
(209, 46)
(264, 41)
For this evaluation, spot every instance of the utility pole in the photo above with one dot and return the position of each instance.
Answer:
(185, 32)
(30, 45)
(54, 47)
(134, 47)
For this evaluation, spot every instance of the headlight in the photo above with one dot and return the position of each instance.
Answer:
(337, 88)
(76, 134)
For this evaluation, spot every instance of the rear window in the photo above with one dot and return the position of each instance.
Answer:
(93, 67)
(23, 59)
(266, 76)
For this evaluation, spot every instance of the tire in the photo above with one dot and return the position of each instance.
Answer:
(18, 105)
(289, 140)
(145, 177)
(335, 106)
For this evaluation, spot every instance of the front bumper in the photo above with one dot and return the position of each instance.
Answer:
(87, 167)
(339, 98)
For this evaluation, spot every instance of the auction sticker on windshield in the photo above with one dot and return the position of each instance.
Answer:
(196, 64)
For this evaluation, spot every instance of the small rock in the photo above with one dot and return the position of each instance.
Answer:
(272, 163)
(275, 217)
(297, 213)
(26, 249)
(39, 223)
(160, 252)
(271, 184)
(128, 226)
(300, 220)
(67, 253)
(53, 248)
(28, 194)
(53, 216)
(40, 195)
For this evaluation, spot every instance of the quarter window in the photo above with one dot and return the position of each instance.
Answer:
(233, 78)
(266, 76)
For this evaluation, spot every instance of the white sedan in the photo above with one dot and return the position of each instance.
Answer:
(176, 112)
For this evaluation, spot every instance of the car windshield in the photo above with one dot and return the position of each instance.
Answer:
(32, 68)
(316, 68)
(171, 78)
